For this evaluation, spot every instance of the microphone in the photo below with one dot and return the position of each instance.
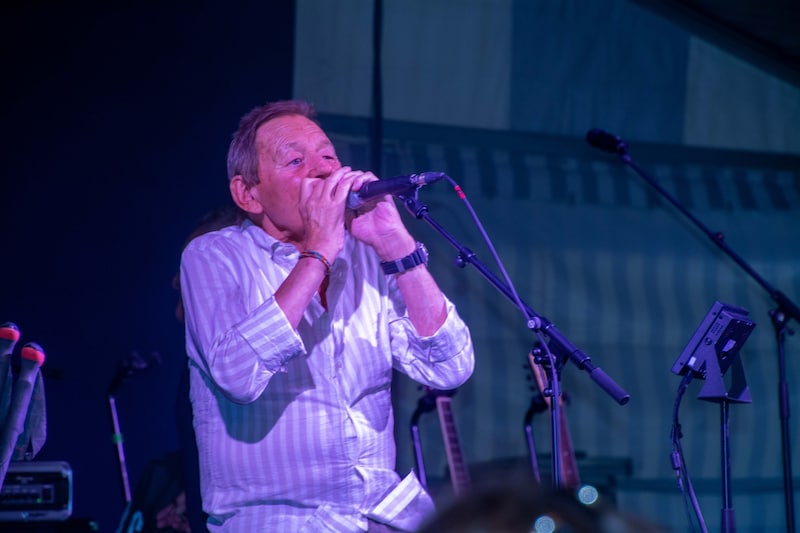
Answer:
(31, 359)
(396, 185)
(606, 141)
(9, 335)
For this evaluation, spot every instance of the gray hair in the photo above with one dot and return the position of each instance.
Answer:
(242, 153)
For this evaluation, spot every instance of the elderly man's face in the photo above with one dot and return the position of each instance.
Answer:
(290, 149)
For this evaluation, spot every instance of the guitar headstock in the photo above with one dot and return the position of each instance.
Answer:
(438, 392)
(428, 401)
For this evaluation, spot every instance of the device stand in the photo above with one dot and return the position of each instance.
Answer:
(714, 391)
(728, 517)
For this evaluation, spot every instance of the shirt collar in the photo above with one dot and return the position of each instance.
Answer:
(282, 253)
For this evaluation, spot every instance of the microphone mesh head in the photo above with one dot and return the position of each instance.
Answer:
(33, 352)
(9, 332)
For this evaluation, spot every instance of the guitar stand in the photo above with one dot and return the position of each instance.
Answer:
(537, 405)
(425, 404)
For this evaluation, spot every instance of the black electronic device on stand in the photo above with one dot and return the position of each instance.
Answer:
(712, 351)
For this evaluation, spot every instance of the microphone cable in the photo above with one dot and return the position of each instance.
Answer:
(679, 463)
(532, 321)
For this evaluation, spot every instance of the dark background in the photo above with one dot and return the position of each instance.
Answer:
(115, 126)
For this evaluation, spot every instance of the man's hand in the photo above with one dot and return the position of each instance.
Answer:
(322, 210)
(378, 224)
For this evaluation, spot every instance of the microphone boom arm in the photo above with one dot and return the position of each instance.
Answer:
(784, 303)
(602, 140)
(559, 344)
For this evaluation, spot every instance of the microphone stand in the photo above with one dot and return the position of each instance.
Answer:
(785, 310)
(127, 366)
(562, 349)
(117, 435)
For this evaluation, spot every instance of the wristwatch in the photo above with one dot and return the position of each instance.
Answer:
(415, 258)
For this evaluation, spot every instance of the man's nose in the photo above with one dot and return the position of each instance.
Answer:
(323, 167)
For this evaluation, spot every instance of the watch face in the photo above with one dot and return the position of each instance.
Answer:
(424, 250)
(419, 256)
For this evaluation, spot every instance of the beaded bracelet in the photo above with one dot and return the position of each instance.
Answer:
(318, 256)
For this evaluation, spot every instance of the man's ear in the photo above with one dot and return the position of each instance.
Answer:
(243, 196)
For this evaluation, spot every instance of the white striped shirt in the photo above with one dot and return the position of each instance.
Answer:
(295, 428)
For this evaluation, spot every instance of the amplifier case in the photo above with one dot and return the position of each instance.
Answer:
(36, 491)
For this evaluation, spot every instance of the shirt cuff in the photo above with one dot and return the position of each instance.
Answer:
(270, 335)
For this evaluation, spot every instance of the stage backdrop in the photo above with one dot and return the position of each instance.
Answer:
(500, 95)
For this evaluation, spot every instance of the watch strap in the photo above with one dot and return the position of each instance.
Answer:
(418, 257)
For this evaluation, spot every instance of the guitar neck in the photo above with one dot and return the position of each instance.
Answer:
(459, 474)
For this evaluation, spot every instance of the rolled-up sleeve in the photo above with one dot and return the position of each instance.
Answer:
(444, 360)
(238, 342)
